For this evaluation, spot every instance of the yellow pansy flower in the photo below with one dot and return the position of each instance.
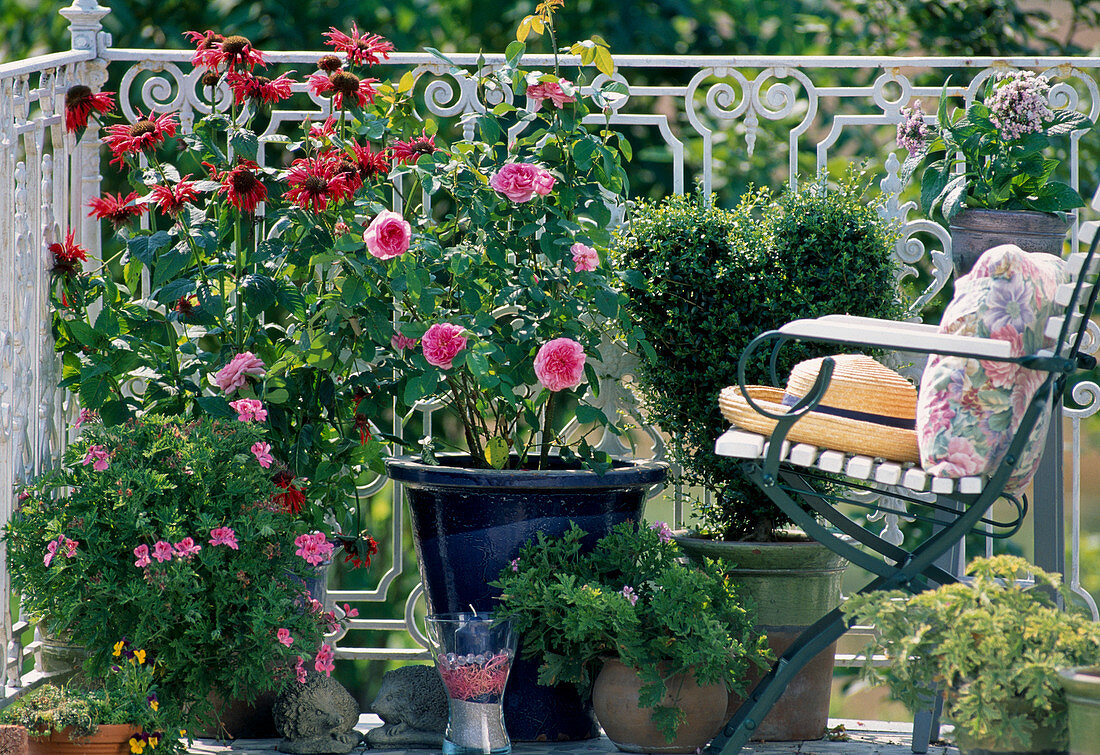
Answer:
(136, 745)
(155, 706)
(139, 656)
(118, 648)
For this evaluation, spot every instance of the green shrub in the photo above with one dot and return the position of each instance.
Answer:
(82, 550)
(702, 282)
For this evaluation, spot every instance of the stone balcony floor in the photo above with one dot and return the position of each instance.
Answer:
(864, 738)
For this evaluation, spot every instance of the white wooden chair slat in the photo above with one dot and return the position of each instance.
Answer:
(1064, 293)
(1076, 262)
(889, 336)
(743, 444)
(803, 454)
(871, 322)
(1054, 325)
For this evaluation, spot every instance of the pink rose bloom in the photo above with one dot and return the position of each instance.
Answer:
(584, 257)
(350, 612)
(142, 553)
(400, 342)
(262, 452)
(300, 671)
(224, 536)
(442, 343)
(388, 235)
(186, 548)
(249, 409)
(961, 460)
(51, 551)
(549, 90)
(284, 636)
(324, 661)
(559, 364)
(232, 376)
(98, 457)
(520, 182)
(162, 551)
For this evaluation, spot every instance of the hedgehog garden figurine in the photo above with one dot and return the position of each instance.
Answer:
(317, 718)
(413, 707)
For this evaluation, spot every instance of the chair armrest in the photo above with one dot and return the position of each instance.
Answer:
(888, 335)
(872, 322)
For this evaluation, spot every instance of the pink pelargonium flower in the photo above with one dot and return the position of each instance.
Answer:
(314, 548)
(233, 375)
(300, 671)
(262, 452)
(284, 636)
(388, 235)
(186, 548)
(99, 457)
(51, 551)
(441, 344)
(224, 536)
(584, 257)
(324, 662)
(521, 182)
(249, 409)
(142, 553)
(70, 547)
(549, 90)
(628, 593)
(162, 551)
(559, 364)
(664, 532)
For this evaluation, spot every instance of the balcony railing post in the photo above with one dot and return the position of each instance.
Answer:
(1048, 516)
(85, 27)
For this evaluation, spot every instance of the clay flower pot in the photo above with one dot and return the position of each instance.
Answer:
(111, 739)
(629, 726)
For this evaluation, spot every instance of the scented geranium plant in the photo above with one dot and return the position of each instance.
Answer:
(991, 156)
(308, 293)
(170, 534)
(633, 598)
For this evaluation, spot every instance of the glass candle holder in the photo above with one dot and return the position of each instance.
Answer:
(473, 655)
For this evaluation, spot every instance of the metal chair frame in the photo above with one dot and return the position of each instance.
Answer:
(791, 487)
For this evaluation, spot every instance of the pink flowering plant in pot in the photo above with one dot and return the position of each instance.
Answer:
(169, 533)
(992, 155)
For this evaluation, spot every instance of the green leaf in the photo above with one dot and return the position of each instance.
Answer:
(169, 265)
(174, 290)
(106, 324)
(94, 390)
(114, 412)
(277, 396)
(953, 195)
(85, 334)
(145, 248)
(290, 298)
(259, 292)
(131, 273)
(936, 177)
(217, 407)
(496, 452)
(513, 52)
(244, 144)
(1055, 197)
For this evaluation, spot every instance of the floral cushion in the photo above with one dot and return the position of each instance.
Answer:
(969, 409)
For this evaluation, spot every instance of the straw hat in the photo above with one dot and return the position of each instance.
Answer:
(867, 409)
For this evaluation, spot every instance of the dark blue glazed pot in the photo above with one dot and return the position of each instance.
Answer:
(468, 524)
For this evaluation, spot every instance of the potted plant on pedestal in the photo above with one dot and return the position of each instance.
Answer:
(119, 713)
(169, 533)
(993, 645)
(986, 176)
(701, 283)
(655, 642)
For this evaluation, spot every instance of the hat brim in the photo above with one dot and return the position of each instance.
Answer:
(821, 430)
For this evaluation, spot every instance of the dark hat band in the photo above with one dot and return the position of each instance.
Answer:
(878, 419)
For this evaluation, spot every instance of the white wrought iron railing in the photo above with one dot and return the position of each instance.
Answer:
(796, 114)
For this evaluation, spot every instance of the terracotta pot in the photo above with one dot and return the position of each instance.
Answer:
(792, 584)
(974, 231)
(111, 739)
(237, 719)
(629, 726)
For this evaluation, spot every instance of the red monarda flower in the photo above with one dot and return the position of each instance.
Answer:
(292, 498)
(171, 199)
(323, 130)
(245, 86)
(206, 48)
(371, 163)
(185, 305)
(359, 48)
(413, 149)
(330, 63)
(243, 187)
(116, 208)
(145, 133)
(68, 256)
(80, 101)
(342, 84)
(314, 181)
(236, 53)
